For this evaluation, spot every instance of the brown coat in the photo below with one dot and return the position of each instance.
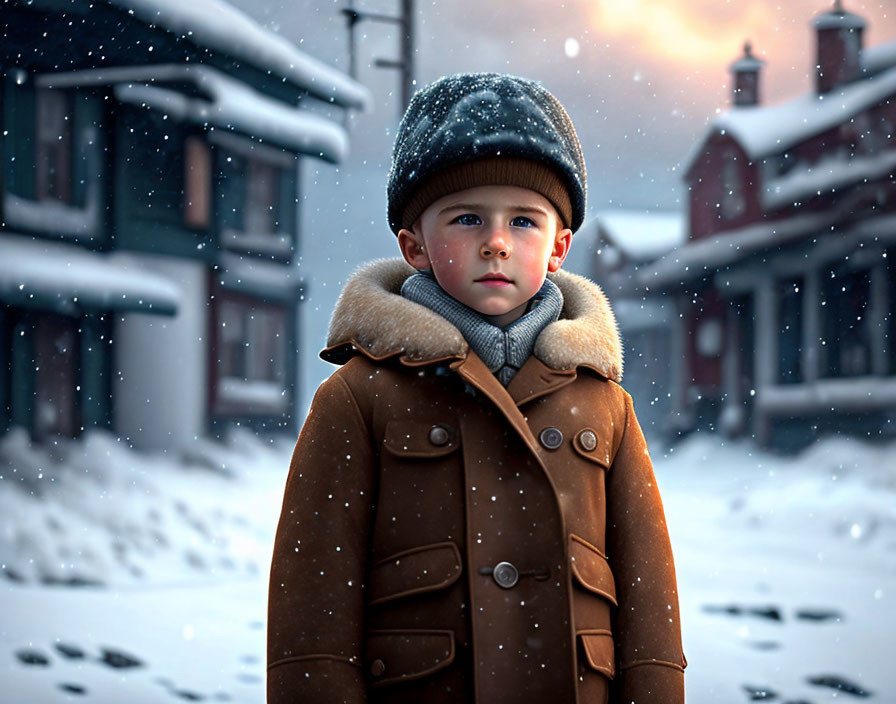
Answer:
(417, 473)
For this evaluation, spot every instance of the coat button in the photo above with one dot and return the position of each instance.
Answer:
(377, 668)
(588, 440)
(438, 436)
(506, 575)
(551, 438)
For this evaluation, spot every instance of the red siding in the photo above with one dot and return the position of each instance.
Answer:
(706, 188)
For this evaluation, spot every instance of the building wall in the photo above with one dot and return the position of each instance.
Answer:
(160, 365)
(722, 168)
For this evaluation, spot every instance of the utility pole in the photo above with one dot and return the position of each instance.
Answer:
(405, 63)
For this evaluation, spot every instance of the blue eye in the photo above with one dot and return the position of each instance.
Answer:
(468, 219)
(522, 221)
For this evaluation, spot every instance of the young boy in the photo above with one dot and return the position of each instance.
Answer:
(471, 513)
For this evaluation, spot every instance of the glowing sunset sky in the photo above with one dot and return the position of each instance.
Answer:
(703, 36)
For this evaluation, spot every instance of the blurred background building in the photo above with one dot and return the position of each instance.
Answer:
(158, 162)
(784, 292)
(150, 216)
(611, 248)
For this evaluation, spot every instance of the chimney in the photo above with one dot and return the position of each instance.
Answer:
(839, 42)
(746, 77)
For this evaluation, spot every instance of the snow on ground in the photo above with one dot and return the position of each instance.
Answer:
(143, 577)
(787, 569)
(172, 553)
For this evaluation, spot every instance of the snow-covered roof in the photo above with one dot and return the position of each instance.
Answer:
(218, 25)
(768, 129)
(634, 315)
(267, 279)
(878, 58)
(705, 256)
(225, 103)
(69, 278)
(839, 18)
(747, 62)
(642, 235)
(826, 176)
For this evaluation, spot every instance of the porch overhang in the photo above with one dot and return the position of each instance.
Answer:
(203, 96)
(255, 277)
(66, 278)
(704, 258)
(842, 395)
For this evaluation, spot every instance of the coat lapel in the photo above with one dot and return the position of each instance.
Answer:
(474, 371)
(535, 379)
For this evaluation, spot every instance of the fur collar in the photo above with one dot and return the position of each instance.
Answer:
(372, 317)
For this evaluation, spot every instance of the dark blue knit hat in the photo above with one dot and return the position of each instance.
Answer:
(474, 129)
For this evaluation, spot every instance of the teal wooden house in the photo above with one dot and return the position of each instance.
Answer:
(150, 216)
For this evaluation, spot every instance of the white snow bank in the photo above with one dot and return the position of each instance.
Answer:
(94, 511)
(70, 278)
(220, 26)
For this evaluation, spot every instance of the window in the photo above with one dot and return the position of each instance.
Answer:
(261, 198)
(153, 149)
(891, 311)
(732, 200)
(197, 182)
(56, 364)
(53, 157)
(256, 199)
(710, 337)
(789, 295)
(847, 334)
(251, 344)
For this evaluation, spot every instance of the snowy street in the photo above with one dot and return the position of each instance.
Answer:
(787, 570)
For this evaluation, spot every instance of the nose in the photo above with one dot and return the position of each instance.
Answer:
(494, 246)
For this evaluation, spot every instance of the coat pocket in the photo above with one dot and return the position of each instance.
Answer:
(402, 655)
(415, 571)
(594, 596)
(591, 569)
(418, 439)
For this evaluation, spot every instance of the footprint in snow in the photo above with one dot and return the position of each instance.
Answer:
(839, 683)
(72, 652)
(73, 688)
(772, 613)
(757, 694)
(764, 644)
(819, 615)
(118, 659)
(32, 657)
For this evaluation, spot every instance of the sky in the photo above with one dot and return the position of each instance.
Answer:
(641, 80)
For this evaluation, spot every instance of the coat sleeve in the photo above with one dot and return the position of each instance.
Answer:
(647, 629)
(315, 598)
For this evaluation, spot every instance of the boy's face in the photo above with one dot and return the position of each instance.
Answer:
(489, 247)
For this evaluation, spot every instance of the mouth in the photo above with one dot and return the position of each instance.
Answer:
(493, 278)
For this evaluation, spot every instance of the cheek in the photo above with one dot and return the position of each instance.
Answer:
(534, 266)
(450, 259)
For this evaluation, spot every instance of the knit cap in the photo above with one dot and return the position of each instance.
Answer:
(478, 129)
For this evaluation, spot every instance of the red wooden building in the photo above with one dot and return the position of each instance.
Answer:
(786, 283)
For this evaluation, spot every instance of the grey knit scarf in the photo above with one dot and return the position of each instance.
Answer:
(504, 350)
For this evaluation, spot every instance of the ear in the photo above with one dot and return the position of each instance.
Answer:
(562, 243)
(412, 249)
